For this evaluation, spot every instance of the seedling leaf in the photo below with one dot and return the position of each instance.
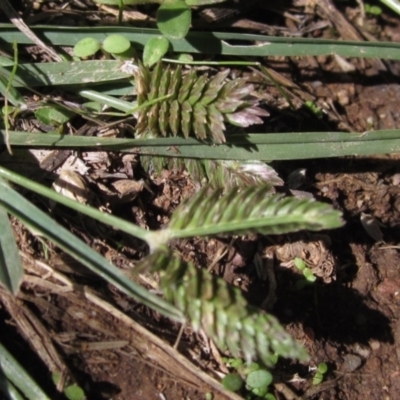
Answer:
(259, 379)
(154, 50)
(116, 44)
(232, 382)
(322, 368)
(86, 47)
(74, 392)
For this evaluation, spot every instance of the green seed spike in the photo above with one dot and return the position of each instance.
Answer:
(186, 118)
(197, 106)
(163, 118)
(155, 82)
(197, 90)
(213, 86)
(200, 121)
(187, 84)
(174, 117)
(175, 83)
(164, 82)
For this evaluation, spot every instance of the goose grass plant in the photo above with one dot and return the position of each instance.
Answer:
(190, 294)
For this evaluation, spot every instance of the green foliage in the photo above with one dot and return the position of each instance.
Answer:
(232, 382)
(116, 45)
(308, 274)
(197, 106)
(314, 108)
(259, 379)
(372, 9)
(13, 375)
(220, 310)
(11, 269)
(73, 391)
(322, 369)
(154, 50)
(53, 115)
(86, 47)
(174, 18)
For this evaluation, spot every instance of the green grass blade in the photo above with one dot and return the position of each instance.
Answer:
(13, 370)
(9, 390)
(37, 220)
(11, 269)
(213, 42)
(82, 208)
(274, 146)
(67, 73)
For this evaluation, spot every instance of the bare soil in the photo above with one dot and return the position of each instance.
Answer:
(348, 319)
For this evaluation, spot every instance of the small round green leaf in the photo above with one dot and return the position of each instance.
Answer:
(184, 57)
(8, 109)
(86, 47)
(322, 368)
(260, 392)
(116, 44)
(154, 50)
(232, 382)
(74, 392)
(259, 379)
(308, 274)
(235, 363)
(250, 368)
(173, 19)
(318, 378)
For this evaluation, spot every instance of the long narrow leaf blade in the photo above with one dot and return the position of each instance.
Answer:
(19, 377)
(252, 210)
(11, 269)
(213, 42)
(37, 220)
(257, 146)
(67, 73)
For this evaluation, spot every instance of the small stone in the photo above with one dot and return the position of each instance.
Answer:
(362, 351)
(375, 345)
(351, 362)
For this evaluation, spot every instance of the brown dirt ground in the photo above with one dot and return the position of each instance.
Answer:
(349, 318)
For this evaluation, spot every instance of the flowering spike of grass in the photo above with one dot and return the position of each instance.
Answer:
(220, 310)
(198, 105)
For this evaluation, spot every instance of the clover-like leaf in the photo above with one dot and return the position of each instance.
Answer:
(173, 19)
